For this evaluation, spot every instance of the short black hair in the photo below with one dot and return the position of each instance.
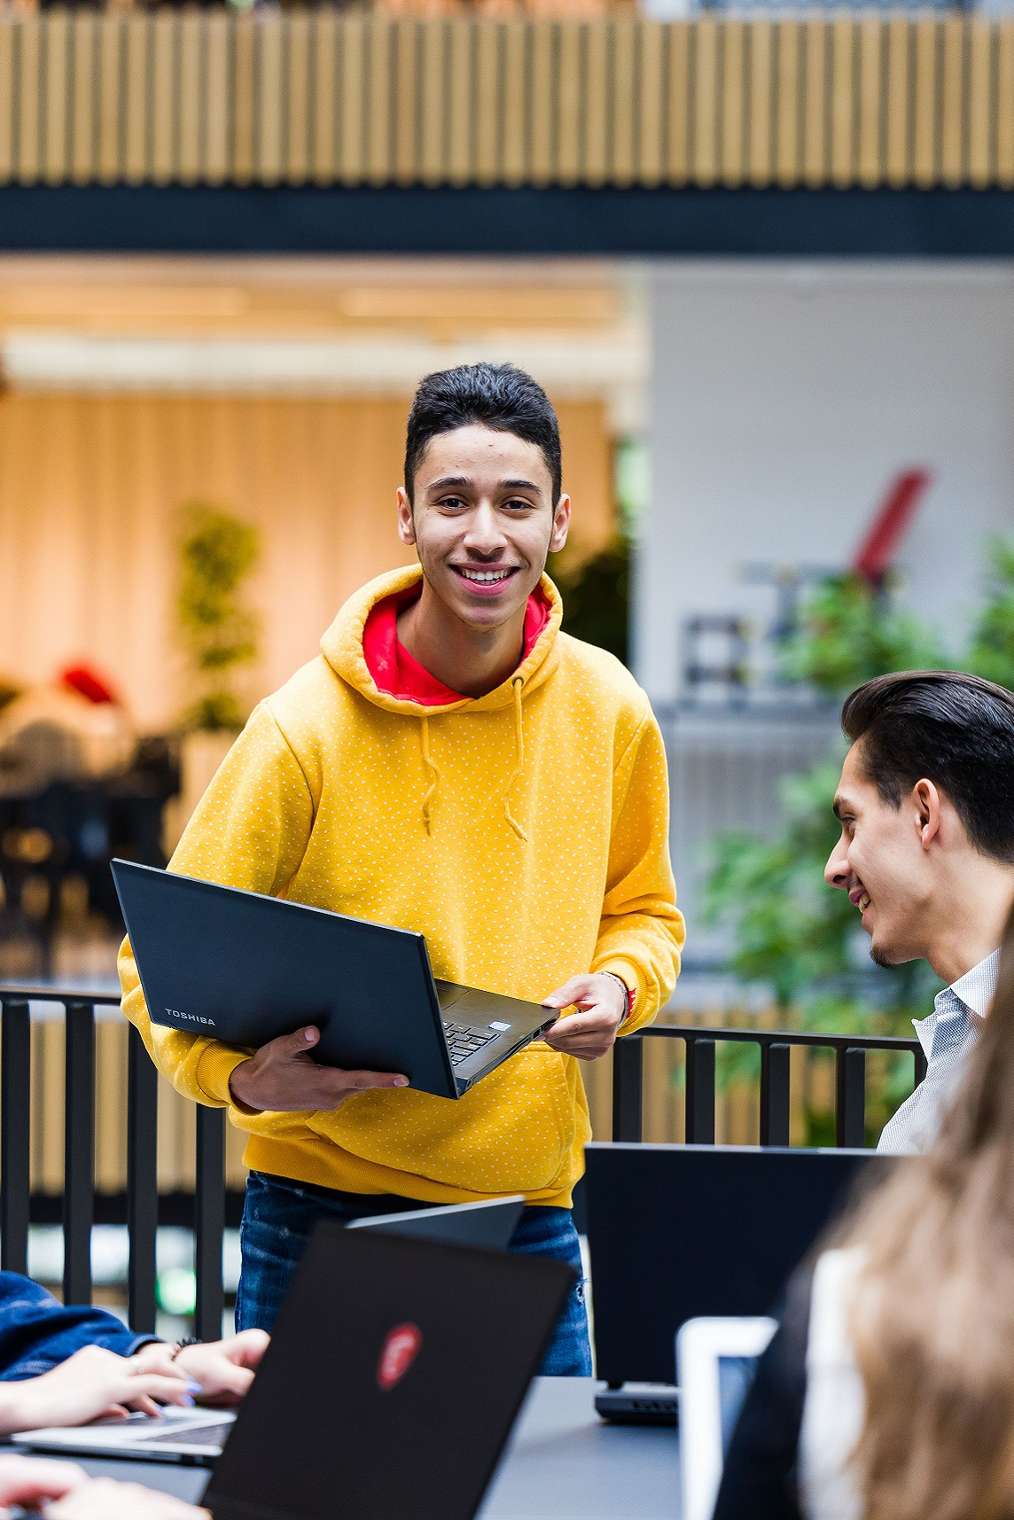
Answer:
(497, 395)
(956, 730)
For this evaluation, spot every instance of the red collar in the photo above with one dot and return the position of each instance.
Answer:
(397, 674)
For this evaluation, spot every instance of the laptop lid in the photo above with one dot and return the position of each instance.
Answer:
(244, 968)
(716, 1360)
(683, 1211)
(489, 1223)
(395, 1373)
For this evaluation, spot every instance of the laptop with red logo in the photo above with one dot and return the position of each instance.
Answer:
(197, 1436)
(395, 1374)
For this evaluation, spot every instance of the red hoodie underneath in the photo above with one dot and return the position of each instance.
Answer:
(397, 674)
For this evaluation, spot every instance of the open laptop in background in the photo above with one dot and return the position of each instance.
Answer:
(716, 1360)
(198, 1435)
(393, 1379)
(680, 1231)
(245, 968)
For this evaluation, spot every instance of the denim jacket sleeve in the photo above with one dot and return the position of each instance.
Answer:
(37, 1332)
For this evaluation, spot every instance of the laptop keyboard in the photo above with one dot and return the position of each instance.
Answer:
(191, 1435)
(463, 1040)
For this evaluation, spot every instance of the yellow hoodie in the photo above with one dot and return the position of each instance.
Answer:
(525, 833)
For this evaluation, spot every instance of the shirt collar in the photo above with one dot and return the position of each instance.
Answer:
(976, 989)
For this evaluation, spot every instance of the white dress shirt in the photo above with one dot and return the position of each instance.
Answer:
(946, 1036)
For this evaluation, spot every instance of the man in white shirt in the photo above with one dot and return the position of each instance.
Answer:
(926, 854)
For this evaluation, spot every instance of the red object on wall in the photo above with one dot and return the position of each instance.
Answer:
(88, 683)
(875, 553)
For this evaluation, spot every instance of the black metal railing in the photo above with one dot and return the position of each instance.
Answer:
(142, 1205)
(850, 1053)
(208, 1211)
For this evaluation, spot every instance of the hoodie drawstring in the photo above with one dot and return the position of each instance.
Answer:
(434, 773)
(519, 758)
(516, 774)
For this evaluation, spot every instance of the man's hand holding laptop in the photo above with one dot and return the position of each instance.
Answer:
(283, 1077)
(602, 1002)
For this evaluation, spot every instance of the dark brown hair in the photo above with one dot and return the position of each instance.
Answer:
(954, 729)
(497, 395)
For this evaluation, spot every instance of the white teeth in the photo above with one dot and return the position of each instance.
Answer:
(485, 576)
(864, 902)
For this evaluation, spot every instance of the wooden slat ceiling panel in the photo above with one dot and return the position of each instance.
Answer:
(313, 97)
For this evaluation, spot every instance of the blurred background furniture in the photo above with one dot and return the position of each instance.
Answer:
(62, 835)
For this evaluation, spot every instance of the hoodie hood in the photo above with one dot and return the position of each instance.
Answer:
(342, 648)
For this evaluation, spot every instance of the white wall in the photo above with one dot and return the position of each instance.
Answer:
(783, 400)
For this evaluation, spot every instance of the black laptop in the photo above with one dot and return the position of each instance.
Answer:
(423, 1354)
(680, 1231)
(196, 1436)
(244, 968)
(394, 1376)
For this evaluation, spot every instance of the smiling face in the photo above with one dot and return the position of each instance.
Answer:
(882, 861)
(482, 521)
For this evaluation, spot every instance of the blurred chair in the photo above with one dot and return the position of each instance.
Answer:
(76, 787)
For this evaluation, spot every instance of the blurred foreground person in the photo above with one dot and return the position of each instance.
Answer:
(887, 1392)
(67, 1493)
(926, 855)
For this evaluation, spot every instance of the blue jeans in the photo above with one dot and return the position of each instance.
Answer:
(278, 1220)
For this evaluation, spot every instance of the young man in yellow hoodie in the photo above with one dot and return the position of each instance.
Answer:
(451, 763)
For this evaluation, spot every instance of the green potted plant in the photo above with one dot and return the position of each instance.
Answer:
(219, 633)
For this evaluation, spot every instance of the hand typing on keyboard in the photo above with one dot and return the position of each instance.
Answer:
(224, 1369)
(91, 1383)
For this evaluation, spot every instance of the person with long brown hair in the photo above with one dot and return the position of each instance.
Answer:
(887, 1392)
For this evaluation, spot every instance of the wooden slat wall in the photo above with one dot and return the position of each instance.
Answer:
(847, 100)
(6, 97)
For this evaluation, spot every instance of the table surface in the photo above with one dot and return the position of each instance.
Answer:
(562, 1463)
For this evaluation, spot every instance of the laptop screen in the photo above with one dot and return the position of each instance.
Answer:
(717, 1359)
(735, 1374)
(714, 1230)
(394, 1374)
